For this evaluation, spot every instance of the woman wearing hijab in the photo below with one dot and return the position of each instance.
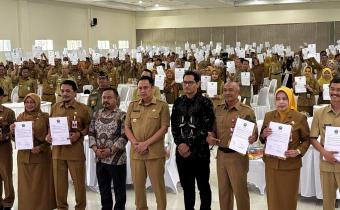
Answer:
(325, 78)
(282, 175)
(35, 178)
(171, 88)
(216, 77)
(306, 101)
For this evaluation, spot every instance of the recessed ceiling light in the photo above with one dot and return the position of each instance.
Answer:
(140, 2)
(156, 5)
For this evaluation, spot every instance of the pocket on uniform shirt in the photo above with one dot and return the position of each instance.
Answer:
(135, 117)
(154, 115)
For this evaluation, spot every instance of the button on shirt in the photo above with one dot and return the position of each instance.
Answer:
(107, 131)
(224, 115)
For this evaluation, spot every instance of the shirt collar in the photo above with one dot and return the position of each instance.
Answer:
(153, 101)
(237, 106)
(72, 104)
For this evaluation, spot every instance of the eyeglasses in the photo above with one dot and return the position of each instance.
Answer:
(188, 83)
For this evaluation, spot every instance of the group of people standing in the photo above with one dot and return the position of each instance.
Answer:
(196, 122)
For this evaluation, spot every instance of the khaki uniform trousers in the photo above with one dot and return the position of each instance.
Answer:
(154, 168)
(330, 182)
(6, 177)
(60, 174)
(232, 169)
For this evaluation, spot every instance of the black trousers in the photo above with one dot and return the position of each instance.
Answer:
(106, 174)
(191, 170)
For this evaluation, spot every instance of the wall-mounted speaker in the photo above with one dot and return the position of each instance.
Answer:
(94, 22)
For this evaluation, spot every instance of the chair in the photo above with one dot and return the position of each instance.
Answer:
(262, 106)
(14, 95)
(272, 89)
(87, 87)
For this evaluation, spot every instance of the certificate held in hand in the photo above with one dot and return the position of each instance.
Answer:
(23, 135)
(332, 140)
(277, 142)
(300, 86)
(239, 141)
(59, 131)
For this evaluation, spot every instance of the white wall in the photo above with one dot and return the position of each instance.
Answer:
(238, 16)
(23, 21)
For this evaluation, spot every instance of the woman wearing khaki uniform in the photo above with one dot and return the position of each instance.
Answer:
(35, 180)
(282, 175)
(306, 101)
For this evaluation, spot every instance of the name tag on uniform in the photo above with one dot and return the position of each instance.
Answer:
(51, 85)
(110, 79)
(28, 88)
(79, 77)
(74, 124)
(134, 120)
(74, 121)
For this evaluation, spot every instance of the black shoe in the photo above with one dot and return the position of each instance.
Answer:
(1, 208)
(7, 208)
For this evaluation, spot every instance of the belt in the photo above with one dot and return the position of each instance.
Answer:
(48, 94)
(276, 74)
(226, 150)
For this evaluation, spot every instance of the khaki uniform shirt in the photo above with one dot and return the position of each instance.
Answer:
(27, 86)
(82, 114)
(245, 91)
(7, 86)
(145, 121)
(113, 77)
(95, 100)
(299, 139)
(7, 117)
(325, 117)
(79, 79)
(40, 130)
(58, 80)
(223, 117)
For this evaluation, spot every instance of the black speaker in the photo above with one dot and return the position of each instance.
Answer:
(94, 22)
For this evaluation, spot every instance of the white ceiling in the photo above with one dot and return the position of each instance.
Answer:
(151, 5)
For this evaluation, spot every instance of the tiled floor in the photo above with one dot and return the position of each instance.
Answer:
(175, 201)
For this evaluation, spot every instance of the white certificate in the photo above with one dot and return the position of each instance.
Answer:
(187, 65)
(245, 78)
(277, 142)
(172, 65)
(239, 141)
(300, 86)
(212, 89)
(59, 131)
(261, 58)
(159, 81)
(332, 140)
(231, 67)
(204, 82)
(51, 57)
(149, 65)
(325, 92)
(139, 58)
(23, 135)
(160, 70)
(179, 73)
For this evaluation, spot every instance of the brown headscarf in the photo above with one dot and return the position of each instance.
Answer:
(37, 111)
